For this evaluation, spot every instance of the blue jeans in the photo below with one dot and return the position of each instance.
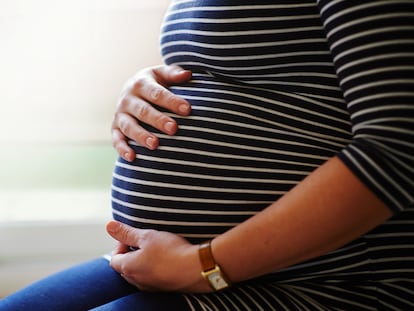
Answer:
(91, 285)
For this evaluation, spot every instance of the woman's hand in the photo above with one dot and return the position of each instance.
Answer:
(148, 88)
(162, 262)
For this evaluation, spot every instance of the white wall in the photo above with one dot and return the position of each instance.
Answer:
(62, 64)
(31, 251)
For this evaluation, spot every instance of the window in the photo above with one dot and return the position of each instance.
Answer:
(63, 64)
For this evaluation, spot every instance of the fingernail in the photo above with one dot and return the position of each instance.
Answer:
(169, 126)
(180, 71)
(184, 109)
(113, 227)
(150, 141)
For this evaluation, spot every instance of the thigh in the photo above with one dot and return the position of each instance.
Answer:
(143, 301)
(81, 287)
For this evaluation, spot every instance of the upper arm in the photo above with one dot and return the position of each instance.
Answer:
(372, 46)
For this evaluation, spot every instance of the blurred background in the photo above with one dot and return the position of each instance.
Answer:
(62, 66)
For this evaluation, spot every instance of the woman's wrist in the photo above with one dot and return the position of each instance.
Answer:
(194, 281)
(212, 272)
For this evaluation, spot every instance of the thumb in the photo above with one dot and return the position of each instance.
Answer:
(122, 233)
(172, 74)
(180, 75)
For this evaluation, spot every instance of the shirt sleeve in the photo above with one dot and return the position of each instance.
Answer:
(372, 45)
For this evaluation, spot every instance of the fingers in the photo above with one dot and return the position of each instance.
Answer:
(122, 263)
(146, 113)
(163, 260)
(119, 142)
(171, 75)
(123, 260)
(121, 249)
(139, 103)
(156, 94)
(152, 86)
(125, 126)
(123, 233)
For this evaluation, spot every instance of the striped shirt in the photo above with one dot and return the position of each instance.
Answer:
(278, 88)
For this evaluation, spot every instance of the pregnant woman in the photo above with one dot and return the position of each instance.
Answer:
(268, 165)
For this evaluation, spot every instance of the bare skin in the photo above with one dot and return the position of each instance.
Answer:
(325, 211)
(137, 100)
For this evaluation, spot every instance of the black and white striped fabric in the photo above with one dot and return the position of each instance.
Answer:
(278, 88)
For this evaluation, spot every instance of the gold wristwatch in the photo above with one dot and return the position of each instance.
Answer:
(211, 270)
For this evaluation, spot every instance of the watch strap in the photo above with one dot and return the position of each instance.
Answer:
(211, 271)
(206, 256)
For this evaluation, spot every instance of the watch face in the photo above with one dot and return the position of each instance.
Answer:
(217, 281)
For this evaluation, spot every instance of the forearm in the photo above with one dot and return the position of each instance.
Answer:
(328, 209)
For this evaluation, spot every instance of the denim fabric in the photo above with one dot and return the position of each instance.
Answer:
(90, 285)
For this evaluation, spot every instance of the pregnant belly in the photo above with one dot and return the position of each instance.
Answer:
(230, 159)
